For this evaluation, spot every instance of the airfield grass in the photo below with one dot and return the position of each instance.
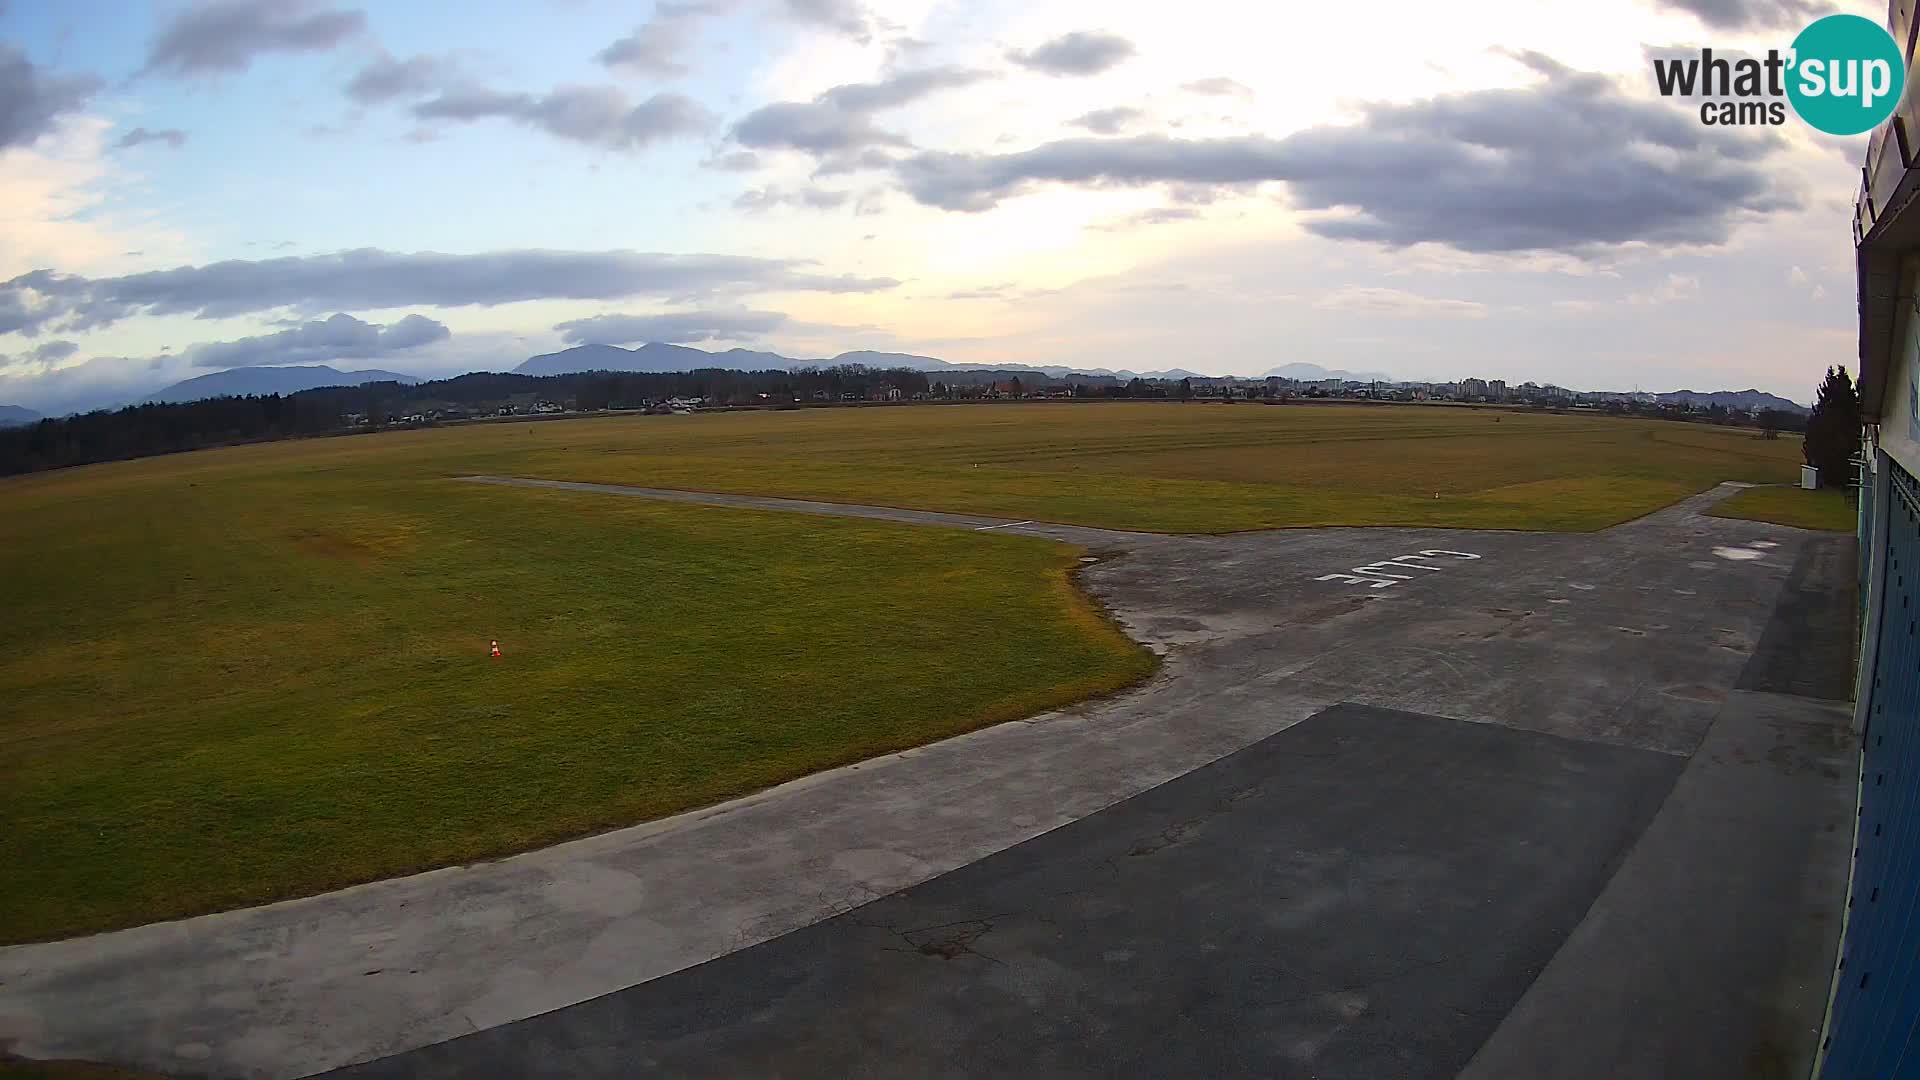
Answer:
(248, 674)
(1162, 467)
(245, 674)
(1825, 508)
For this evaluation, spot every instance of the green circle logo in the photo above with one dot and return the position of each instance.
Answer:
(1847, 74)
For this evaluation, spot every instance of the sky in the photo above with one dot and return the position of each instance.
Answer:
(1434, 191)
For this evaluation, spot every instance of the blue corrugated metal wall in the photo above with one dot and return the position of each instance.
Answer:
(1874, 1028)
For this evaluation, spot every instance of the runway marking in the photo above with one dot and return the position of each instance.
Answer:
(1002, 525)
(1379, 575)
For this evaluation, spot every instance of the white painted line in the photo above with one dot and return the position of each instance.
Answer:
(1004, 525)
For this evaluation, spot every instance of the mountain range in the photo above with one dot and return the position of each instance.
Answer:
(16, 416)
(662, 357)
(658, 357)
(244, 381)
(1732, 399)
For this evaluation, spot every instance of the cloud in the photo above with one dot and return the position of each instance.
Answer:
(999, 291)
(595, 115)
(63, 201)
(372, 279)
(1108, 121)
(673, 327)
(173, 137)
(1752, 14)
(835, 126)
(1675, 287)
(53, 351)
(1398, 302)
(32, 101)
(841, 16)
(853, 161)
(1567, 164)
(768, 198)
(1217, 86)
(655, 47)
(339, 337)
(735, 161)
(1083, 52)
(226, 35)
(1159, 215)
(809, 126)
(898, 89)
(386, 78)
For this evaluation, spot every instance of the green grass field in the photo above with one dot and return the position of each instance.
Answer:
(1826, 508)
(1161, 467)
(236, 676)
(246, 674)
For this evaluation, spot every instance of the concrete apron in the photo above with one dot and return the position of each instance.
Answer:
(1634, 636)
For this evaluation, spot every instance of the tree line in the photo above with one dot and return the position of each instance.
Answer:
(165, 428)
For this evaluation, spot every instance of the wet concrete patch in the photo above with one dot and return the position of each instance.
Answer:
(1362, 895)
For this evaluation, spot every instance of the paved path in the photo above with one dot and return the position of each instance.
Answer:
(1102, 539)
(1319, 903)
(1633, 638)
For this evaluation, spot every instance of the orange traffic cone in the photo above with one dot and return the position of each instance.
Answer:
(496, 650)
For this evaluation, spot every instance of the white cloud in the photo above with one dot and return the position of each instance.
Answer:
(1374, 300)
(57, 207)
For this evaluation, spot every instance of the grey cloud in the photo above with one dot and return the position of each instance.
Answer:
(339, 337)
(1108, 121)
(768, 198)
(1566, 164)
(370, 278)
(387, 78)
(674, 327)
(472, 103)
(597, 115)
(173, 137)
(52, 351)
(736, 161)
(836, 127)
(898, 89)
(1217, 86)
(1752, 14)
(1083, 52)
(851, 161)
(226, 35)
(844, 16)
(655, 47)
(813, 127)
(32, 101)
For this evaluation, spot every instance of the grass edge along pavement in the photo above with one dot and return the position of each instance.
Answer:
(374, 745)
(1823, 510)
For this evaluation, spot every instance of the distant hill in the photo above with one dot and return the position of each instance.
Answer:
(1314, 373)
(245, 381)
(653, 356)
(1733, 399)
(892, 360)
(16, 416)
